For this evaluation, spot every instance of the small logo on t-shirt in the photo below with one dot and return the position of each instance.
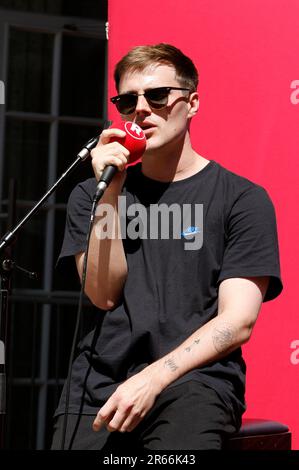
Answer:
(190, 231)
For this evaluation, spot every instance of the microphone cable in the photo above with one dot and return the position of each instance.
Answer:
(78, 317)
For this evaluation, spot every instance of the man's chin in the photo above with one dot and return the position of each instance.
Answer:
(152, 145)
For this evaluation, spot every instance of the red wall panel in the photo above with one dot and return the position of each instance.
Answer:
(247, 55)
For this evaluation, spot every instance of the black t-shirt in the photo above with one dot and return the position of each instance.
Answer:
(214, 225)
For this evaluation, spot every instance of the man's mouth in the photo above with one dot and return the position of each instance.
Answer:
(147, 128)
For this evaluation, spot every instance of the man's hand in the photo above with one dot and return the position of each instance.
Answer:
(109, 153)
(240, 300)
(131, 401)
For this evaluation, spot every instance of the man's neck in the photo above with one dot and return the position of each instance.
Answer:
(173, 164)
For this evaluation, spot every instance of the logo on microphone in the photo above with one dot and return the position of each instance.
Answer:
(134, 130)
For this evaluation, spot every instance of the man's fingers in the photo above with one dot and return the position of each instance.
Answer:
(98, 423)
(102, 419)
(108, 134)
(130, 423)
(116, 422)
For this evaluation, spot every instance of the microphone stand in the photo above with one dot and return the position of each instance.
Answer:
(6, 267)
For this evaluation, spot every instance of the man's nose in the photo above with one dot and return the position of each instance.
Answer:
(142, 105)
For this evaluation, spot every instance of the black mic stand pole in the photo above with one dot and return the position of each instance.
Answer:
(6, 266)
(4, 290)
(5, 279)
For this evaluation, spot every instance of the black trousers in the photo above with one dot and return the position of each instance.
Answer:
(188, 416)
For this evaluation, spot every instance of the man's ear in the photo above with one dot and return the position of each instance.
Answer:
(193, 104)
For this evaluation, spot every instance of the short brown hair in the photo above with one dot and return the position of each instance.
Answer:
(140, 57)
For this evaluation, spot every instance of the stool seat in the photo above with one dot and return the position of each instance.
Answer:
(261, 434)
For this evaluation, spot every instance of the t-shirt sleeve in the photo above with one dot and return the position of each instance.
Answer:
(77, 219)
(252, 243)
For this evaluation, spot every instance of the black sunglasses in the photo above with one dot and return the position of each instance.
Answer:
(157, 98)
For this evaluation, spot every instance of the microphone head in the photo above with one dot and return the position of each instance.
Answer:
(134, 141)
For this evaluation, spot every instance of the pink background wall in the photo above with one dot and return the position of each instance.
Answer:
(247, 55)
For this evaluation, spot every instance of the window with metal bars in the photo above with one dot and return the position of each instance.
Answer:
(53, 66)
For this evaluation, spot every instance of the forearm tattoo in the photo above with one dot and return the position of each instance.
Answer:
(223, 337)
(188, 348)
(171, 364)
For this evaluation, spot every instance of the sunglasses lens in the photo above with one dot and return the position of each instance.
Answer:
(157, 97)
(126, 104)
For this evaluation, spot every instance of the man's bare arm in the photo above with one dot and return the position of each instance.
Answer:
(240, 300)
(107, 266)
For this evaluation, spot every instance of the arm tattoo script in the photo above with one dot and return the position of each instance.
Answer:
(171, 364)
(223, 336)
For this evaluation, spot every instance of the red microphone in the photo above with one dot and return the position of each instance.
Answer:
(134, 141)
